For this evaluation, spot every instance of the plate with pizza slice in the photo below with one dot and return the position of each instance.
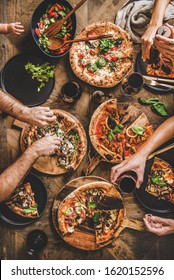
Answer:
(73, 143)
(157, 191)
(118, 130)
(89, 213)
(26, 204)
(102, 63)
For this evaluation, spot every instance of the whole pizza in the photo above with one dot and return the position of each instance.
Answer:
(118, 130)
(85, 204)
(104, 62)
(73, 143)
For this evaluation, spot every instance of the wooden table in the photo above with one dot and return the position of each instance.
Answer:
(131, 244)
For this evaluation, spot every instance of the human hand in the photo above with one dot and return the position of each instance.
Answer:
(159, 226)
(39, 116)
(165, 45)
(135, 163)
(147, 41)
(15, 28)
(46, 145)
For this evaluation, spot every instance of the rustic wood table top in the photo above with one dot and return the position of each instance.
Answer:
(131, 244)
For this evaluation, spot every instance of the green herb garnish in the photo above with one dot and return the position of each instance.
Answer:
(92, 205)
(160, 108)
(138, 130)
(105, 44)
(149, 101)
(156, 180)
(118, 128)
(96, 217)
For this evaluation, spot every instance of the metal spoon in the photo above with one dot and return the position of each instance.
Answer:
(58, 43)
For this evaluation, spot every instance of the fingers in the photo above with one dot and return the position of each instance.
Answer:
(116, 171)
(146, 46)
(156, 230)
(139, 180)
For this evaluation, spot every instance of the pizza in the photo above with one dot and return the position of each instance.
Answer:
(84, 204)
(106, 222)
(161, 180)
(160, 70)
(103, 62)
(73, 143)
(22, 201)
(118, 130)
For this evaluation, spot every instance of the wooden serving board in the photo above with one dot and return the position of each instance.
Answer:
(84, 236)
(49, 164)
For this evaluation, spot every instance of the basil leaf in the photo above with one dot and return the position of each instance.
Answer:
(110, 135)
(138, 130)
(96, 217)
(156, 180)
(149, 101)
(160, 108)
(105, 44)
(30, 210)
(118, 128)
(92, 205)
(102, 62)
(94, 67)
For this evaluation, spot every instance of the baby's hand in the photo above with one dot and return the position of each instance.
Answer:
(15, 28)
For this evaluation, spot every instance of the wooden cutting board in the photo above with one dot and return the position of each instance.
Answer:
(48, 164)
(84, 236)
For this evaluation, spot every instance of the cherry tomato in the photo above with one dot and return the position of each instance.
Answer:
(80, 55)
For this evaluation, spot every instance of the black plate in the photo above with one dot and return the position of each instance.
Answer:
(149, 201)
(16, 81)
(38, 187)
(38, 13)
(140, 66)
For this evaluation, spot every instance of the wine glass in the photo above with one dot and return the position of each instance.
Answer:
(132, 84)
(36, 240)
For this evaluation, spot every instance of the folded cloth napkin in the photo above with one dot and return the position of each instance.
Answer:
(135, 16)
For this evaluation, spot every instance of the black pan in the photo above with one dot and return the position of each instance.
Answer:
(140, 66)
(149, 201)
(16, 81)
(38, 187)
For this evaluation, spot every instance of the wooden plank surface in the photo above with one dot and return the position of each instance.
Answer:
(131, 244)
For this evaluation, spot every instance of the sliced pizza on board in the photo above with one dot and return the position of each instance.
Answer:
(161, 180)
(106, 222)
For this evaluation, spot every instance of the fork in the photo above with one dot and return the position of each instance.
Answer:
(155, 83)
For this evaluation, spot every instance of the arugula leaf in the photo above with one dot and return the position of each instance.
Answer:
(105, 44)
(92, 204)
(156, 180)
(160, 108)
(96, 217)
(138, 130)
(149, 101)
(42, 73)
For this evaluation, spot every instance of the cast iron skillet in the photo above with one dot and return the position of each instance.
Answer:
(19, 83)
(38, 187)
(149, 201)
(38, 13)
(140, 66)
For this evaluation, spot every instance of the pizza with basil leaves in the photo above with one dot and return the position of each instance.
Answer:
(118, 130)
(103, 62)
(73, 143)
(22, 201)
(161, 180)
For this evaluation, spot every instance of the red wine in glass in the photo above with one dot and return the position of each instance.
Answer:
(127, 182)
(36, 240)
(71, 92)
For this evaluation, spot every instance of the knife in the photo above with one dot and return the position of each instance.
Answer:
(158, 79)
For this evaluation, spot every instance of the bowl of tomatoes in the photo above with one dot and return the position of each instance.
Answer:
(48, 12)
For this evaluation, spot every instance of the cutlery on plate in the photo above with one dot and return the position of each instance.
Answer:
(55, 27)
(155, 83)
(158, 79)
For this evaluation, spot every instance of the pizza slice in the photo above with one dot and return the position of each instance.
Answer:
(136, 135)
(71, 213)
(91, 194)
(161, 180)
(22, 201)
(106, 223)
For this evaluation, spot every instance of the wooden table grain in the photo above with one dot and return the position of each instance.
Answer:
(130, 244)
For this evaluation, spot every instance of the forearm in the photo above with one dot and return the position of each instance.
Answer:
(13, 175)
(3, 28)
(158, 12)
(12, 107)
(161, 135)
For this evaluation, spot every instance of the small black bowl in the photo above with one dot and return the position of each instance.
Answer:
(38, 13)
(39, 189)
